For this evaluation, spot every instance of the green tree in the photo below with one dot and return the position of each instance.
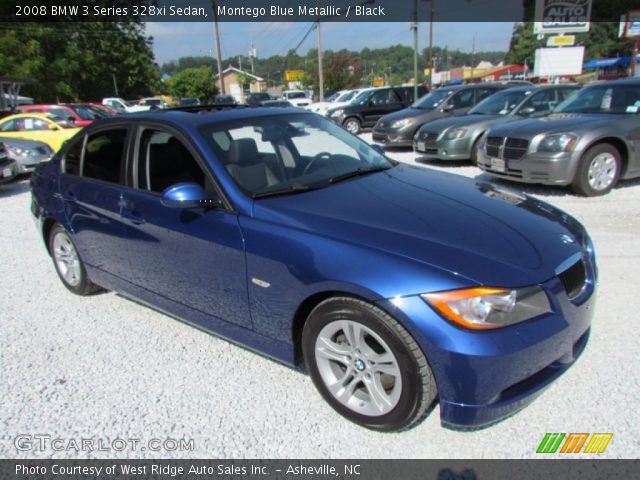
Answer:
(523, 44)
(193, 82)
(72, 61)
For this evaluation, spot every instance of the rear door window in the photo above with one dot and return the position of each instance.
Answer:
(104, 155)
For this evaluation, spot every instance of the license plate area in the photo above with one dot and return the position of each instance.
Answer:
(422, 146)
(498, 164)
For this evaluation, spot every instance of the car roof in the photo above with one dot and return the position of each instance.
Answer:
(198, 116)
(44, 116)
(620, 81)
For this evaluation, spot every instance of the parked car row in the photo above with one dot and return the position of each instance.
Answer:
(565, 135)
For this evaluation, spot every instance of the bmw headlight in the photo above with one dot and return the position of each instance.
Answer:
(559, 142)
(402, 123)
(485, 308)
(336, 113)
(455, 133)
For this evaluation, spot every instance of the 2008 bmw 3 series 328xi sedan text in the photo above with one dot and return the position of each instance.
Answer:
(395, 286)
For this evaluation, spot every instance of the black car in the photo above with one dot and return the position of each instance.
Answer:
(225, 99)
(189, 102)
(397, 129)
(256, 99)
(365, 110)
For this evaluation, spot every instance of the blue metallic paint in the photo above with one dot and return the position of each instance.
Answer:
(385, 238)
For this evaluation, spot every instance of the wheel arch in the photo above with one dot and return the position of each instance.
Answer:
(619, 144)
(305, 308)
(47, 225)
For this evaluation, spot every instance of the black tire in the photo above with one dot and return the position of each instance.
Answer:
(474, 151)
(79, 282)
(416, 385)
(584, 183)
(352, 125)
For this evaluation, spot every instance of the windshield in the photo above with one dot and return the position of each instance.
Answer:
(286, 154)
(296, 95)
(333, 98)
(432, 100)
(605, 98)
(347, 97)
(500, 103)
(86, 113)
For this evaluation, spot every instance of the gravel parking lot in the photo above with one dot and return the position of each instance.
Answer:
(106, 368)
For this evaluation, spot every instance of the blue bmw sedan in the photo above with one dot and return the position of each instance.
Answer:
(395, 286)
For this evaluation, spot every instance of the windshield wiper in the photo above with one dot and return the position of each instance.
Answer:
(291, 189)
(358, 173)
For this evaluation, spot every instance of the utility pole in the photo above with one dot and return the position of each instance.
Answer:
(252, 54)
(431, 15)
(473, 56)
(414, 26)
(219, 54)
(320, 72)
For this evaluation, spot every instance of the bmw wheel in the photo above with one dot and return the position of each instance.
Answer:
(67, 262)
(366, 365)
(352, 125)
(598, 171)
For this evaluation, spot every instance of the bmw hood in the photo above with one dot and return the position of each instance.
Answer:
(466, 227)
(554, 123)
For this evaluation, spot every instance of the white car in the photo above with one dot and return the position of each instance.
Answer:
(297, 97)
(338, 99)
(122, 106)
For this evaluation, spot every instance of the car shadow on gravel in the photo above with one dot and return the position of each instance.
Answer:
(545, 190)
(14, 188)
(443, 163)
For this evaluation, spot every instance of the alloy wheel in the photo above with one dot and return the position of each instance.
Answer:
(358, 368)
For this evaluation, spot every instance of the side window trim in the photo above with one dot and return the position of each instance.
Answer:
(135, 157)
(80, 163)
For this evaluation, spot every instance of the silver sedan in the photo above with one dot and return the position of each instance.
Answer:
(590, 142)
(27, 153)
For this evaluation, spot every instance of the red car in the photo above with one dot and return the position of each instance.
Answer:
(80, 114)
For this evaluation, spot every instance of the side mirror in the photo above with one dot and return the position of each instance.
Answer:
(527, 111)
(448, 107)
(187, 195)
(53, 127)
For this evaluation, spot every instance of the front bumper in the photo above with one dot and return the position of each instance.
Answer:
(393, 137)
(535, 167)
(8, 170)
(458, 149)
(485, 376)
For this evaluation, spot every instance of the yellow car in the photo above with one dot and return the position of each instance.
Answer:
(37, 126)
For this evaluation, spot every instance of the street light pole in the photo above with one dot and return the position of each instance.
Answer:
(431, 14)
(218, 52)
(414, 26)
(320, 72)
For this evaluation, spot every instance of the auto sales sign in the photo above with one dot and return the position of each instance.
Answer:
(562, 16)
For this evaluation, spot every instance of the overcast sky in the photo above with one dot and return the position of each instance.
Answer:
(173, 40)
